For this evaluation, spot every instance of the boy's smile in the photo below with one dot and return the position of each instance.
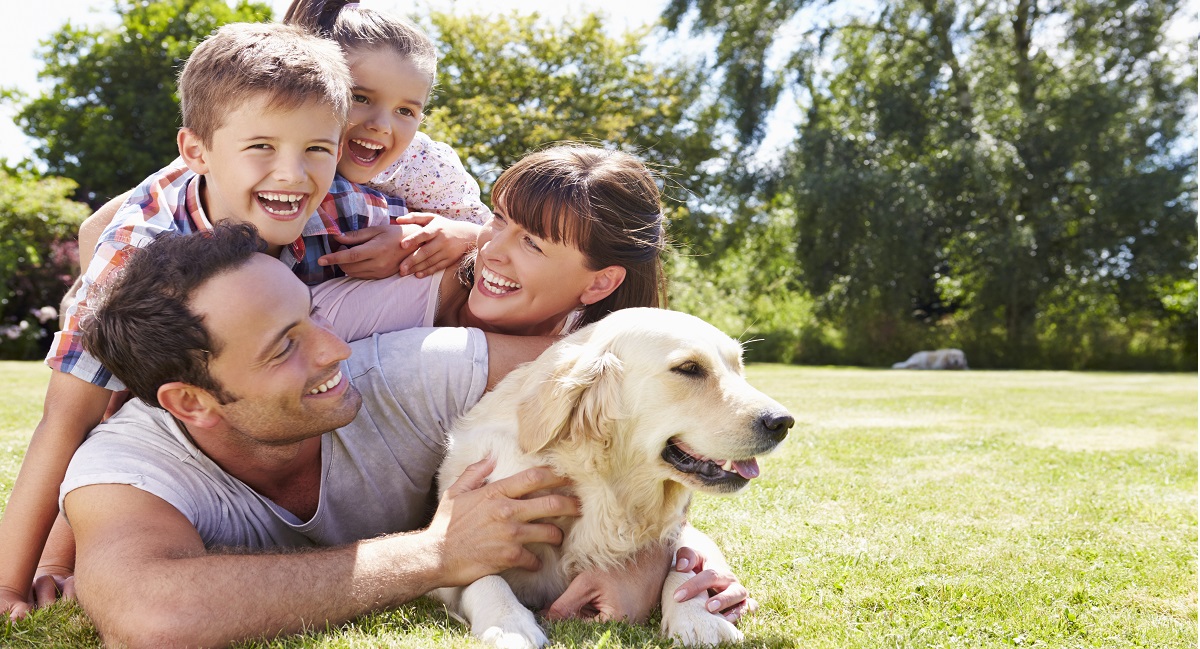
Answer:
(268, 166)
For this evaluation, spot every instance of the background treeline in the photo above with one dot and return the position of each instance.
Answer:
(1014, 178)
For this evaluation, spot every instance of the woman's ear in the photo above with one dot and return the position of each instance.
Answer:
(604, 282)
(193, 406)
(193, 151)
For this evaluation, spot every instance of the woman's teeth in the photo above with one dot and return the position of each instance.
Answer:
(328, 385)
(496, 283)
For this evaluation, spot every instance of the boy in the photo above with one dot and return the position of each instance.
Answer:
(264, 108)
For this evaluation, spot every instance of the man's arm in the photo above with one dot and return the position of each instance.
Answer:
(144, 576)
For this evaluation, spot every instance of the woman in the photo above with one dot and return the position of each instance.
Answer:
(577, 233)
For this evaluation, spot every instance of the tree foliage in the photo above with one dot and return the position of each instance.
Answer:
(509, 85)
(1016, 177)
(110, 118)
(36, 267)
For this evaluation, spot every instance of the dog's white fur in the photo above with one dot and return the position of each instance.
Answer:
(599, 407)
(940, 359)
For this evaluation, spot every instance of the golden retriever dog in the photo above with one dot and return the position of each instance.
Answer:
(639, 410)
(939, 359)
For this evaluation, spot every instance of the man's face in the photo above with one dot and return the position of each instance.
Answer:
(281, 365)
(270, 167)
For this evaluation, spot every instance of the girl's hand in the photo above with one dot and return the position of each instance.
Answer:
(376, 251)
(441, 243)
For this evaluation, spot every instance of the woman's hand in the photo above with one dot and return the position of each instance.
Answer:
(727, 596)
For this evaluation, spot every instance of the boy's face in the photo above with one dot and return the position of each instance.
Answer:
(389, 104)
(267, 166)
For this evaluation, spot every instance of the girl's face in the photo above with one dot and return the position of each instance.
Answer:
(389, 103)
(527, 285)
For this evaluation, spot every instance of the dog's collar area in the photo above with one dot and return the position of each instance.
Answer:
(710, 473)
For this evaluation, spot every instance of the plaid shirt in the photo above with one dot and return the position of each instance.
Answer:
(169, 203)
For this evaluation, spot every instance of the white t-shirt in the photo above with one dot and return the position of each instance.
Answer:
(377, 473)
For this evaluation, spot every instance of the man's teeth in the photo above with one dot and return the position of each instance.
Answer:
(328, 385)
(368, 145)
(496, 282)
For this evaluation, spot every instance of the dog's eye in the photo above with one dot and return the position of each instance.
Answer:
(690, 368)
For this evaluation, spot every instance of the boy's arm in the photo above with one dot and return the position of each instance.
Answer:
(72, 408)
(145, 577)
(94, 225)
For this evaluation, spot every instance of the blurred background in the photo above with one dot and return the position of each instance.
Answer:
(847, 181)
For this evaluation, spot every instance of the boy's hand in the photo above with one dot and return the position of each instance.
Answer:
(15, 605)
(376, 251)
(440, 243)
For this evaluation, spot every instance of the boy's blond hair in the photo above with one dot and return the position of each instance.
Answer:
(241, 61)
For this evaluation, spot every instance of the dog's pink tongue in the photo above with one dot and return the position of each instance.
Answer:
(748, 469)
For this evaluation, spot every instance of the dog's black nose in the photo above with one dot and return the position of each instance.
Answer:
(776, 424)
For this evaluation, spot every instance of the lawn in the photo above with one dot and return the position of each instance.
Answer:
(907, 509)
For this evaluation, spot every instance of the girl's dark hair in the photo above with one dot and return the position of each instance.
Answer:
(604, 203)
(357, 28)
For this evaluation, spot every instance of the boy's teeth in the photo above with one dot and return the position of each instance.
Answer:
(328, 385)
(280, 203)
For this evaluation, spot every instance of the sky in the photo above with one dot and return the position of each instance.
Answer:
(23, 24)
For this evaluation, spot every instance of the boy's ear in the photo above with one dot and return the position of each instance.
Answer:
(193, 151)
(193, 406)
(604, 282)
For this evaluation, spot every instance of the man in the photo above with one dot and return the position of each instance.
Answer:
(255, 428)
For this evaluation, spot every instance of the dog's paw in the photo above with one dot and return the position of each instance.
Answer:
(696, 627)
(514, 632)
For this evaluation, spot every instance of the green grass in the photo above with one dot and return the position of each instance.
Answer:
(907, 509)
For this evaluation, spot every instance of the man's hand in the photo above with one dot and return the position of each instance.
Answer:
(376, 251)
(440, 243)
(629, 592)
(483, 528)
(727, 596)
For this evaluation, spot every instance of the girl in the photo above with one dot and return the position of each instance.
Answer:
(394, 66)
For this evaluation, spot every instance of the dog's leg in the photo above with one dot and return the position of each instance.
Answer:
(494, 614)
(689, 622)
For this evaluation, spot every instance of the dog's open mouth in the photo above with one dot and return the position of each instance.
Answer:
(726, 473)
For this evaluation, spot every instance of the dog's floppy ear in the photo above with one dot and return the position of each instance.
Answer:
(579, 397)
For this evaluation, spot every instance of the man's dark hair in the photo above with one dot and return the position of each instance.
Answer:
(140, 326)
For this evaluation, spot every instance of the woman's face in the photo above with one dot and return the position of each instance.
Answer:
(527, 285)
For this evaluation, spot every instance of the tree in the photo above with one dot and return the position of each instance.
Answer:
(513, 84)
(36, 268)
(1019, 176)
(111, 116)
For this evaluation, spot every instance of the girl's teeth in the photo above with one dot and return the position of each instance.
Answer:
(368, 145)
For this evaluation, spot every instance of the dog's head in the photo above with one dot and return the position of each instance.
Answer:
(655, 392)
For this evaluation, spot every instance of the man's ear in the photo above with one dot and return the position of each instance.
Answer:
(193, 151)
(194, 406)
(604, 282)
